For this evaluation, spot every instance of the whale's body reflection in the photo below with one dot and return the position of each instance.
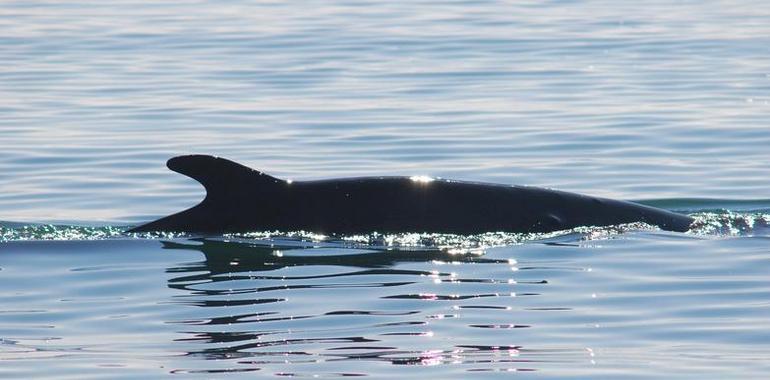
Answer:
(264, 304)
(578, 308)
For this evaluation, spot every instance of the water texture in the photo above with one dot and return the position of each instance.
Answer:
(632, 101)
(646, 304)
(666, 102)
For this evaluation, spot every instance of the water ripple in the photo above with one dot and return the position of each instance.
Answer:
(665, 101)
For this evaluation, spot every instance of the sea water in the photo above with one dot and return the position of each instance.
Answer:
(663, 102)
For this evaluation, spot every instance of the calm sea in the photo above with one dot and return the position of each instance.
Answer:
(666, 102)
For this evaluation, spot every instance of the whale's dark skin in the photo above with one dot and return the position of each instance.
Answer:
(241, 199)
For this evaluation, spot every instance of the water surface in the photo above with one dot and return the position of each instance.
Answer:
(665, 102)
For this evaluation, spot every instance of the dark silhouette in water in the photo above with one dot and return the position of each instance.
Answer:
(242, 286)
(241, 199)
(224, 257)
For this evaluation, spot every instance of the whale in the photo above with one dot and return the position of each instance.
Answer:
(242, 199)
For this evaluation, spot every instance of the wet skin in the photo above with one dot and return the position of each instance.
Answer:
(241, 199)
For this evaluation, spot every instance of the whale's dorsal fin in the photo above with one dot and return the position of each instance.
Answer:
(221, 177)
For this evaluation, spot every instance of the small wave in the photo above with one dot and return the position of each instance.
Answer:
(718, 223)
(704, 205)
(730, 223)
(10, 231)
(453, 243)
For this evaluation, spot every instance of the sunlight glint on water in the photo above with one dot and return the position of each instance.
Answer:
(662, 101)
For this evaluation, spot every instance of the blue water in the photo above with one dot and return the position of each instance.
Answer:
(664, 102)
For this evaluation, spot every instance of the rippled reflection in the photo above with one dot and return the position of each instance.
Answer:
(266, 304)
